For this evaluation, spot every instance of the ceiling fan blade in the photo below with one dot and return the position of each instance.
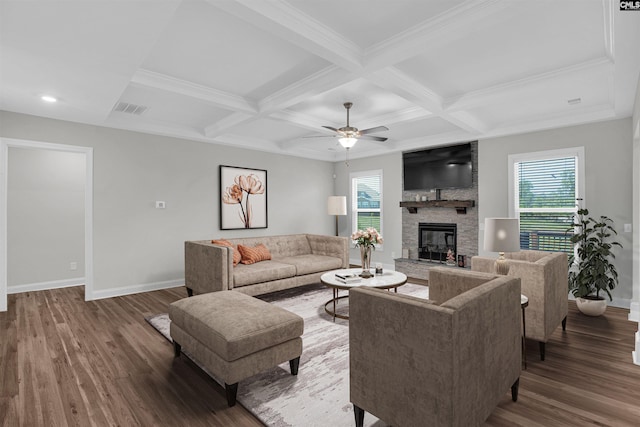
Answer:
(373, 138)
(373, 130)
(319, 136)
(330, 128)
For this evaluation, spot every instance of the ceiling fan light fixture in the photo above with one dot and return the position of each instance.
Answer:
(347, 141)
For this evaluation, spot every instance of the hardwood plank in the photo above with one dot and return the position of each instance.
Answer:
(65, 361)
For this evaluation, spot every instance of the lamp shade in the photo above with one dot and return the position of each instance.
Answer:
(348, 141)
(502, 234)
(337, 205)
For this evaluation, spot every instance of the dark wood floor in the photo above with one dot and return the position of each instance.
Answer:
(64, 361)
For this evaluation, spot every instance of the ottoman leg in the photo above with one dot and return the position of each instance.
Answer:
(232, 392)
(294, 364)
(176, 349)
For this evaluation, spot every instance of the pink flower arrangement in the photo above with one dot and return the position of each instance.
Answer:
(366, 238)
(233, 195)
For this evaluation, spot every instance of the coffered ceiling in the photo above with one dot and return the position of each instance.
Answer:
(267, 75)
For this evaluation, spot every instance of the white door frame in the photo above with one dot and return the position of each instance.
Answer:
(5, 143)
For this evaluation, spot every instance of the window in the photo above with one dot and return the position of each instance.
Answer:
(544, 190)
(366, 200)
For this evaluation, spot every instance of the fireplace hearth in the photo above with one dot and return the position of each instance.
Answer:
(435, 240)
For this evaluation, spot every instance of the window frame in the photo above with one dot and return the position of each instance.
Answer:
(354, 200)
(513, 186)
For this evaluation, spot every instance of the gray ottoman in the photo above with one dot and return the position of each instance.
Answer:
(235, 336)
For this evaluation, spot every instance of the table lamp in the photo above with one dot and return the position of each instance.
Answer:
(337, 205)
(502, 235)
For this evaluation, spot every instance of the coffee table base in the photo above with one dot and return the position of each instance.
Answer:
(336, 298)
(333, 313)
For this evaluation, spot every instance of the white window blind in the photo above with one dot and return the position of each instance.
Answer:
(546, 192)
(366, 200)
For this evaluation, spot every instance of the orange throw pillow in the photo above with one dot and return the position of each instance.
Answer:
(236, 254)
(251, 255)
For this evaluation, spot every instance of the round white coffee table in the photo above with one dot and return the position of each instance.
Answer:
(386, 280)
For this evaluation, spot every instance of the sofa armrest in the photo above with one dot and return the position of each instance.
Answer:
(335, 246)
(207, 267)
(544, 282)
(446, 283)
(483, 264)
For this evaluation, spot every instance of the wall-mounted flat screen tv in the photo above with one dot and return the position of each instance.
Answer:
(438, 168)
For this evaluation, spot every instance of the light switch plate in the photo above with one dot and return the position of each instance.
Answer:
(160, 205)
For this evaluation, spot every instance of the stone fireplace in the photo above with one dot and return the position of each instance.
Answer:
(450, 225)
(435, 240)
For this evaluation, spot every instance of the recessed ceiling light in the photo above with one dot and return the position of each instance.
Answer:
(574, 101)
(48, 98)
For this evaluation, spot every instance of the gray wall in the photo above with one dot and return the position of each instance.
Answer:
(45, 216)
(608, 186)
(136, 244)
(391, 166)
(635, 308)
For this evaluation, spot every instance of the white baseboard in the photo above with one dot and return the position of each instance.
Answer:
(43, 286)
(135, 289)
(634, 312)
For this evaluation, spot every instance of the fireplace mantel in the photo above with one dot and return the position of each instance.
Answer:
(459, 205)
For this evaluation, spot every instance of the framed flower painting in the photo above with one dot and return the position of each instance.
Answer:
(243, 198)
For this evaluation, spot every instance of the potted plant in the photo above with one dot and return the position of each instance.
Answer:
(590, 269)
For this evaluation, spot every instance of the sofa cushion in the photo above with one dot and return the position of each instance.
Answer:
(307, 264)
(251, 255)
(279, 246)
(236, 254)
(265, 271)
(234, 325)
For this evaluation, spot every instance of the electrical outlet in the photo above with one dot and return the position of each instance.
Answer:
(73, 266)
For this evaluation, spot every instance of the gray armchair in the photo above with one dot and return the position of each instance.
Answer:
(442, 362)
(544, 282)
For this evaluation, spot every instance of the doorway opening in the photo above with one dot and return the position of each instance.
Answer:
(34, 206)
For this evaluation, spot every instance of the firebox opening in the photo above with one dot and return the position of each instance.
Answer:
(435, 240)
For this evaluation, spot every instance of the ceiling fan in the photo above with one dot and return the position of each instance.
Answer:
(348, 135)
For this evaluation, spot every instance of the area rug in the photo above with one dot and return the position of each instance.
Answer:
(319, 394)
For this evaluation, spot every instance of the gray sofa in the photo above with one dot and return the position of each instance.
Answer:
(296, 260)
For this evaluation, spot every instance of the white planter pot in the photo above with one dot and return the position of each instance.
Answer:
(591, 307)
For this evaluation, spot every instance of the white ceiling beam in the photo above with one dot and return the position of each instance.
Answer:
(608, 12)
(555, 120)
(210, 95)
(394, 80)
(488, 95)
(319, 82)
(303, 121)
(224, 125)
(290, 24)
(402, 85)
(457, 23)
(273, 105)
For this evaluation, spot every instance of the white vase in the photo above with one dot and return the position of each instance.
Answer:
(591, 307)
